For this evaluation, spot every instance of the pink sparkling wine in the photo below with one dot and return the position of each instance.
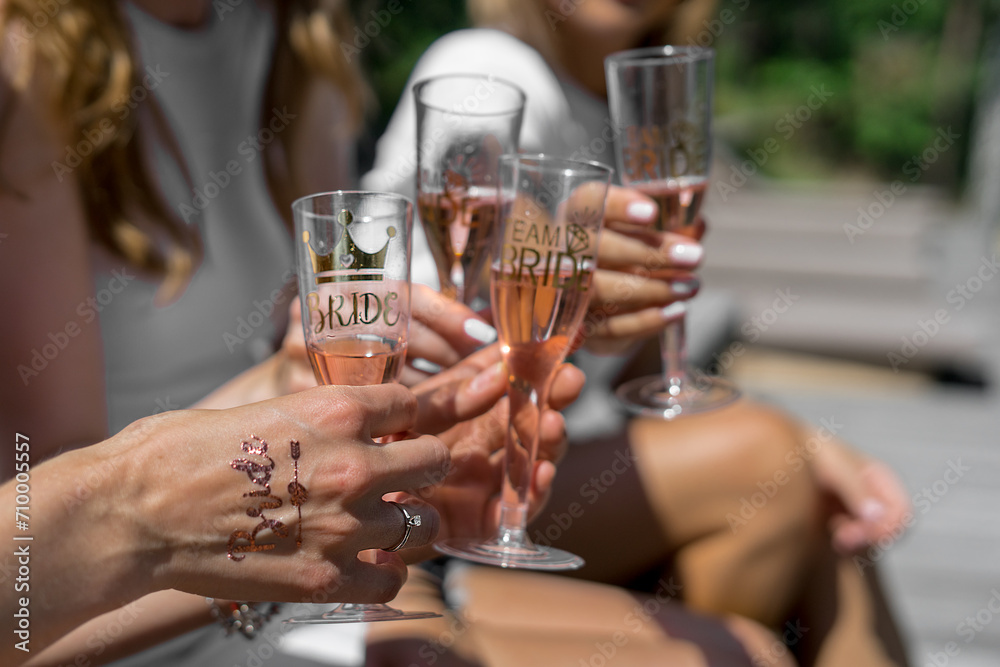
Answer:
(458, 225)
(357, 360)
(537, 321)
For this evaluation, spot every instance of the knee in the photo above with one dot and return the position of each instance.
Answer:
(742, 461)
(747, 447)
(769, 460)
(760, 441)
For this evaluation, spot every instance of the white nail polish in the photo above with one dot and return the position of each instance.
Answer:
(480, 331)
(425, 366)
(641, 210)
(681, 288)
(687, 253)
(872, 510)
(673, 311)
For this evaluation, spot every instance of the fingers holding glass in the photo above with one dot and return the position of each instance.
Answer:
(661, 100)
(444, 331)
(462, 328)
(544, 257)
(353, 251)
(648, 251)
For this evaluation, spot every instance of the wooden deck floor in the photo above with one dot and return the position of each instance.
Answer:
(856, 305)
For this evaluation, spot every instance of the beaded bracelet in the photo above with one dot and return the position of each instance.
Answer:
(245, 618)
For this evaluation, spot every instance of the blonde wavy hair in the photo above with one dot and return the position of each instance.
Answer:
(86, 54)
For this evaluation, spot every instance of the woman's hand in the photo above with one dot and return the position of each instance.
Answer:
(464, 406)
(869, 504)
(641, 272)
(271, 501)
(442, 332)
(218, 512)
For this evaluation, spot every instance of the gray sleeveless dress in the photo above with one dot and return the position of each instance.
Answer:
(209, 83)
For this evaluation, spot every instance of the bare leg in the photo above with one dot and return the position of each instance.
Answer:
(703, 491)
(729, 504)
(844, 619)
(526, 619)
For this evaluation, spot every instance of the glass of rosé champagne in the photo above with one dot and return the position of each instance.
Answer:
(465, 122)
(661, 105)
(353, 256)
(544, 255)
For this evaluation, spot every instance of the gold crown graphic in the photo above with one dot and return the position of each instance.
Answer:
(346, 261)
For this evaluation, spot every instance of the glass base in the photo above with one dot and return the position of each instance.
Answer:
(651, 397)
(361, 613)
(506, 554)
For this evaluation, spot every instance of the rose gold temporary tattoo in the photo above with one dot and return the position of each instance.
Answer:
(259, 473)
(299, 494)
(259, 469)
(251, 545)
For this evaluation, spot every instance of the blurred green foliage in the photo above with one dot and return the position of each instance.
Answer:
(896, 72)
(393, 51)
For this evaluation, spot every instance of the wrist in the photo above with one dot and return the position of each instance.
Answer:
(85, 535)
(130, 499)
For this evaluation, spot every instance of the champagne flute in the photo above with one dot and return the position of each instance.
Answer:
(353, 252)
(465, 122)
(661, 105)
(543, 262)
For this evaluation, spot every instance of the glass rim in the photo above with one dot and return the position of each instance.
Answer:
(657, 55)
(420, 85)
(554, 161)
(368, 194)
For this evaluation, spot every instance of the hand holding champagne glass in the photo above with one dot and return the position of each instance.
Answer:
(545, 252)
(464, 123)
(661, 103)
(353, 252)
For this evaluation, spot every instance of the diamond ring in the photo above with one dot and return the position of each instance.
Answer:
(410, 521)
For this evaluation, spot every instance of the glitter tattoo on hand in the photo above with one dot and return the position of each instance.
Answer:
(259, 473)
(299, 494)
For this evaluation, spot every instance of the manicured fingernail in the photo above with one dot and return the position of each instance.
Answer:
(872, 510)
(673, 311)
(486, 377)
(683, 287)
(641, 210)
(425, 366)
(480, 331)
(686, 253)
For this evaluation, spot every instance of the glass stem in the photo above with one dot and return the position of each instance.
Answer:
(458, 280)
(513, 525)
(521, 449)
(673, 352)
